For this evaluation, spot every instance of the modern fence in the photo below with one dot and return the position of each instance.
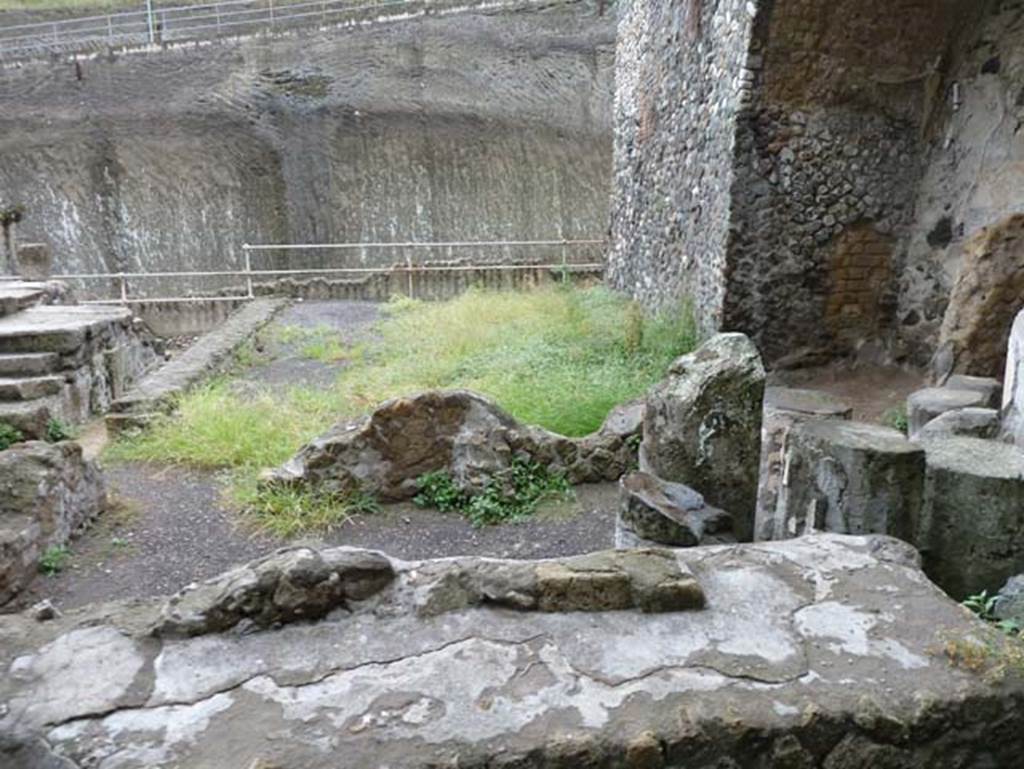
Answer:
(574, 256)
(154, 25)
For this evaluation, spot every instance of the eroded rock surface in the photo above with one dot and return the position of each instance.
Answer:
(47, 492)
(818, 652)
(456, 431)
(702, 427)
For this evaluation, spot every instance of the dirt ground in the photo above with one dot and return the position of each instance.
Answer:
(169, 525)
(871, 391)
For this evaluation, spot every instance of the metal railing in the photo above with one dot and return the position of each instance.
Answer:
(154, 25)
(245, 274)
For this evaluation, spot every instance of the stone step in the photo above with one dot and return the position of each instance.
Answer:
(16, 295)
(29, 388)
(29, 364)
(61, 329)
(31, 417)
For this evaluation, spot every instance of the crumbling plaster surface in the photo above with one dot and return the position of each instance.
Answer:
(819, 649)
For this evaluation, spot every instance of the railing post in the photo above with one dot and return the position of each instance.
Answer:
(149, 22)
(565, 260)
(56, 34)
(124, 287)
(408, 265)
(248, 270)
(271, 2)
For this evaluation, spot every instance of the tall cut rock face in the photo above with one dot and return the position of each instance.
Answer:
(702, 426)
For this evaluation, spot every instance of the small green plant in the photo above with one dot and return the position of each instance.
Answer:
(9, 436)
(511, 494)
(57, 430)
(984, 605)
(896, 418)
(54, 559)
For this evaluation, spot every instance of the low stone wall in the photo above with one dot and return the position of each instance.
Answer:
(47, 493)
(155, 393)
(457, 432)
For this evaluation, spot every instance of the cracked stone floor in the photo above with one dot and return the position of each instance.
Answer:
(818, 625)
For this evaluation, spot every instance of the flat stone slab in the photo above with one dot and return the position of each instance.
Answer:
(925, 405)
(987, 386)
(56, 328)
(29, 388)
(16, 295)
(822, 651)
(154, 392)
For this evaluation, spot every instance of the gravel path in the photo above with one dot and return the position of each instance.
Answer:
(169, 525)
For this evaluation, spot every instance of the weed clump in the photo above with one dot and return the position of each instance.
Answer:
(288, 512)
(510, 495)
(9, 436)
(54, 559)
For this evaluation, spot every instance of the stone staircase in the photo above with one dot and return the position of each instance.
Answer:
(65, 362)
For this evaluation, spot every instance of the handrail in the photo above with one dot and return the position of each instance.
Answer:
(192, 22)
(245, 273)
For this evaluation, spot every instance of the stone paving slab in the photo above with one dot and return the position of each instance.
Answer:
(817, 652)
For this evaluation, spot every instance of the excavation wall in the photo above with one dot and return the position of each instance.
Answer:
(472, 126)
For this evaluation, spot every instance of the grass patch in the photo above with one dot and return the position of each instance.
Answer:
(560, 358)
(288, 512)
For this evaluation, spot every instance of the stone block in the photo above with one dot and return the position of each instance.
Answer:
(973, 515)
(666, 513)
(966, 423)
(925, 405)
(702, 427)
(784, 408)
(991, 388)
(850, 478)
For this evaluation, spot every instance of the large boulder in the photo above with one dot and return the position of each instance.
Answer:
(47, 493)
(459, 432)
(702, 427)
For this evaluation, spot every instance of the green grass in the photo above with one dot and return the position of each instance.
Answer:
(560, 358)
